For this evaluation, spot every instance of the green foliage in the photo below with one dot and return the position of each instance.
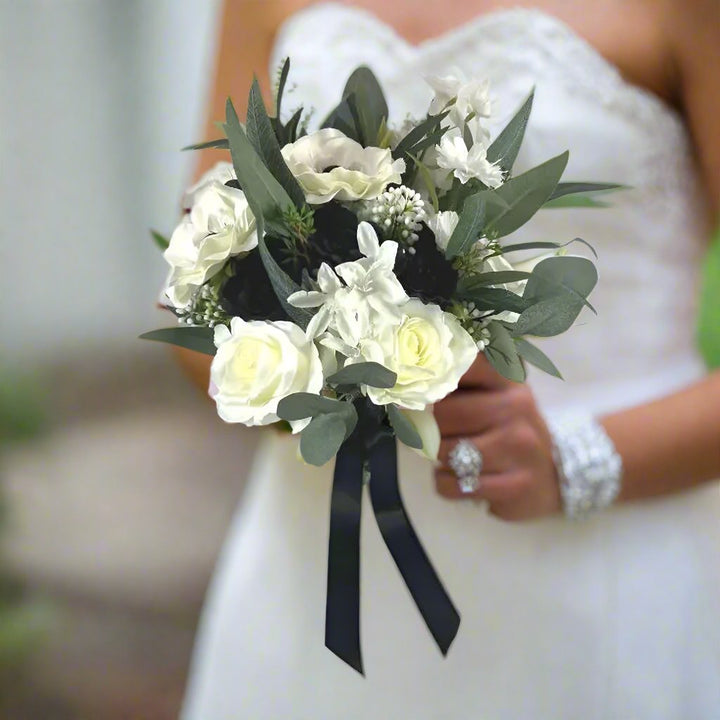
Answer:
(404, 429)
(505, 148)
(503, 353)
(160, 240)
(535, 356)
(322, 438)
(469, 227)
(199, 339)
(366, 373)
(709, 323)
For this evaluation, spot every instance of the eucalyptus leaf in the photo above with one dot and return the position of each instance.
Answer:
(575, 201)
(267, 198)
(199, 339)
(535, 356)
(574, 188)
(261, 134)
(160, 240)
(503, 354)
(283, 285)
(220, 144)
(284, 71)
(341, 118)
(427, 181)
(301, 405)
(322, 438)
(469, 284)
(469, 226)
(291, 127)
(429, 126)
(370, 104)
(524, 195)
(365, 373)
(404, 429)
(548, 317)
(494, 299)
(504, 150)
(547, 244)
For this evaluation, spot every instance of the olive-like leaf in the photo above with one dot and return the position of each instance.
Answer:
(199, 339)
(160, 240)
(503, 354)
(366, 373)
(535, 356)
(505, 147)
(469, 226)
(322, 438)
(404, 429)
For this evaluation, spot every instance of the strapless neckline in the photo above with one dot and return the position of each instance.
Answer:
(540, 23)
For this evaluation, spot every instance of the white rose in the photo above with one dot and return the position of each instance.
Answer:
(429, 350)
(443, 225)
(357, 173)
(221, 172)
(258, 364)
(219, 226)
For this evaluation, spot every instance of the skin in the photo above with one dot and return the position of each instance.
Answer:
(673, 49)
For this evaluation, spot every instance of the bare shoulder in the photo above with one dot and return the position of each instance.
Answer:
(693, 26)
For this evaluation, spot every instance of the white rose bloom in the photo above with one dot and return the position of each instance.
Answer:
(443, 225)
(429, 350)
(221, 172)
(370, 290)
(452, 154)
(219, 226)
(357, 173)
(258, 364)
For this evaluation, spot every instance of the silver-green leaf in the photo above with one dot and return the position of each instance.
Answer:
(366, 373)
(404, 429)
(322, 438)
(199, 339)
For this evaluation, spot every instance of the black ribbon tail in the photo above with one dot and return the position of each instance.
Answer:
(342, 609)
(431, 598)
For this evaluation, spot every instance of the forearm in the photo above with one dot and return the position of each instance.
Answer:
(670, 444)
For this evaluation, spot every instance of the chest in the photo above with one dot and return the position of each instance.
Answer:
(628, 33)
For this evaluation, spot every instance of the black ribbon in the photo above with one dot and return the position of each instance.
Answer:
(373, 446)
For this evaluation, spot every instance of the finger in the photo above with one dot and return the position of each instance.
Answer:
(498, 450)
(471, 412)
(501, 488)
(483, 375)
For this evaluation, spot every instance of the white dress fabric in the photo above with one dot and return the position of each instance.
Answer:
(616, 618)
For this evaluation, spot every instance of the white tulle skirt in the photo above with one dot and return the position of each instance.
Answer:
(614, 618)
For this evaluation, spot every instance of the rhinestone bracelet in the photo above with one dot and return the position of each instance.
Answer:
(588, 465)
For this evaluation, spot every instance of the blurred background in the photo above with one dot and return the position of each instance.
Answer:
(117, 480)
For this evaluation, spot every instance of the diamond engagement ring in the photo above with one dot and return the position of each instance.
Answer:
(466, 462)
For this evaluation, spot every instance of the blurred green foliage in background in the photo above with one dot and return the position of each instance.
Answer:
(710, 306)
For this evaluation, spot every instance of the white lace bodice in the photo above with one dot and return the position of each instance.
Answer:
(649, 241)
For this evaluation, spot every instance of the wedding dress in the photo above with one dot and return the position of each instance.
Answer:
(617, 617)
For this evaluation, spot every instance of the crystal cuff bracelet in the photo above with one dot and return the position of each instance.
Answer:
(588, 465)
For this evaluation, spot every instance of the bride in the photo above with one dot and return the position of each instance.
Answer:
(615, 616)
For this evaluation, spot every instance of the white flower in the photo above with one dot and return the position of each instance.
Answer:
(452, 154)
(469, 96)
(370, 289)
(426, 425)
(355, 172)
(259, 363)
(219, 225)
(443, 225)
(429, 350)
(221, 172)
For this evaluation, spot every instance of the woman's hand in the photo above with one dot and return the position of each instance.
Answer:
(518, 480)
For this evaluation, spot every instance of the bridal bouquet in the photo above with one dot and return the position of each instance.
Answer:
(345, 278)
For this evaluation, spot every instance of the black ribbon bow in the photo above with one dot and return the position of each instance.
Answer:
(372, 448)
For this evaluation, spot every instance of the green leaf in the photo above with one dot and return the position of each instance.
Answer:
(574, 188)
(301, 405)
(366, 373)
(505, 148)
(284, 71)
(322, 438)
(503, 354)
(262, 136)
(429, 126)
(469, 227)
(494, 299)
(575, 201)
(199, 339)
(524, 195)
(404, 429)
(535, 356)
(546, 245)
(266, 197)
(283, 285)
(220, 144)
(160, 240)
(427, 181)
(556, 292)
(341, 118)
(469, 285)
(370, 103)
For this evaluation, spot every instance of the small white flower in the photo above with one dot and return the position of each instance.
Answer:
(328, 165)
(221, 172)
(369, 289)
(443, 225)
(429, 350)
(469, 97)
(219, 226)
(452, 154)
(256, 365)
